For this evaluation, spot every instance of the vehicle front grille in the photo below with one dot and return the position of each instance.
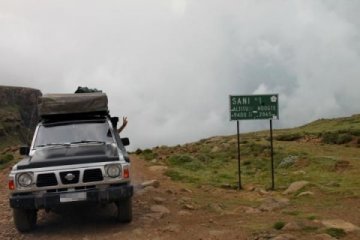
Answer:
(70, 177)
(46, 180)
(92, 175)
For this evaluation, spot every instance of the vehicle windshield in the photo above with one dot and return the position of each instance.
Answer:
(73, 133)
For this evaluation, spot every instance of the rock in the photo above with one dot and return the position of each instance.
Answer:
(323, 236)
(159, 209)
(154, 161)
(216, 207)
(300, 172)
(188, 207)
(262, 191)
(153, 183)
(333, 184)
(184, 213)
(339, 223)
(169, 191)
(271, 204)
(175, 228)
(159, 200)
(292, 226)
(158, 168)
(295, 186)
(215, 149)
(185, 199)
(139, 191)
(138, 231)
(249, 187)
(305, 194)
(186, 190)
(284, 237)
(251, 210)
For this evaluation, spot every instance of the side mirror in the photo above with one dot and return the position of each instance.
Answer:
(24, 150)
(114, 121)
(125, 141)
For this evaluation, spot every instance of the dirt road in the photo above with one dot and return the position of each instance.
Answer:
(165, 212)
(169, 210)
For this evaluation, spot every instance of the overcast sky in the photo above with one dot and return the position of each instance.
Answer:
(171, 65)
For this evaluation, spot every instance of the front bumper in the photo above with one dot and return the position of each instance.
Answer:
(51, 200)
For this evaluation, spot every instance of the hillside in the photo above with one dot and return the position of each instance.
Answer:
(18, 114)
(323, 155)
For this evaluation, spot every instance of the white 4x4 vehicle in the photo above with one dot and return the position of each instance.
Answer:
(74, 157)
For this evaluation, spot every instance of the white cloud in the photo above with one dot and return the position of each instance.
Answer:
(170, 65)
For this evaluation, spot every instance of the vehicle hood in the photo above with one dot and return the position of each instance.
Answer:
(68, 155)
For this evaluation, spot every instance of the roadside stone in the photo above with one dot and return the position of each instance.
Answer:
(300, 172)
(138, 231)
(284, 237)
(186, 190)
(333, 184)
(323, 236)
(295, 186)
(339, 223)
(305, 194)
(152, 183)
(249, 187)
(271, 204)
(251, 210)
(189, 207)
(184, 213)
(159, 209)
(175, 228)
(292, 226)
(159, 200)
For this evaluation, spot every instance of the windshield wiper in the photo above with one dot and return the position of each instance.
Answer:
(53, 144)
(88, 141)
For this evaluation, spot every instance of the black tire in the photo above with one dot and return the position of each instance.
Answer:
(124, 210)
(24, 219)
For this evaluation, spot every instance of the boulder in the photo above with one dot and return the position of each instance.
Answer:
(295, 186)
(339, 223)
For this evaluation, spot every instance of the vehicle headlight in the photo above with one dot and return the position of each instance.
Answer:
(113, 170)
(25, 179)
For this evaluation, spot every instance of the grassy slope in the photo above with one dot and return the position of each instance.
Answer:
(332, 169)
(213, 161)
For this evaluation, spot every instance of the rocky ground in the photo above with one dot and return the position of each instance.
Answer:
(164, 209)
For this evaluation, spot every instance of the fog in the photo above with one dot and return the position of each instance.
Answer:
(170, 66)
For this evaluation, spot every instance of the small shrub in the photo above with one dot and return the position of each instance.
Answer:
(343, 138)
(138, 151)
(246, 162)
(336, 232)
(288, 137)
(148, 154)
(311, 217)
(279, 225)
(329, 137)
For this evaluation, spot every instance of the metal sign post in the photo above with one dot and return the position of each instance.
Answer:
(251, 107)
(238, 141)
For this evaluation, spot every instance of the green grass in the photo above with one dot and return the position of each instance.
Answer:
(214, 161)
(336, 232)
(279, 225)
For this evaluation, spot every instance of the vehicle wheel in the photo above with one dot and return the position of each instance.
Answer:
(24, 219)
(124, 210)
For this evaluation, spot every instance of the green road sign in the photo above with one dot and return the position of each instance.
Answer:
(248, 107)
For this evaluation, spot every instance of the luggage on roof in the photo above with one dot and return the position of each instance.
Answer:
(62, 104)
